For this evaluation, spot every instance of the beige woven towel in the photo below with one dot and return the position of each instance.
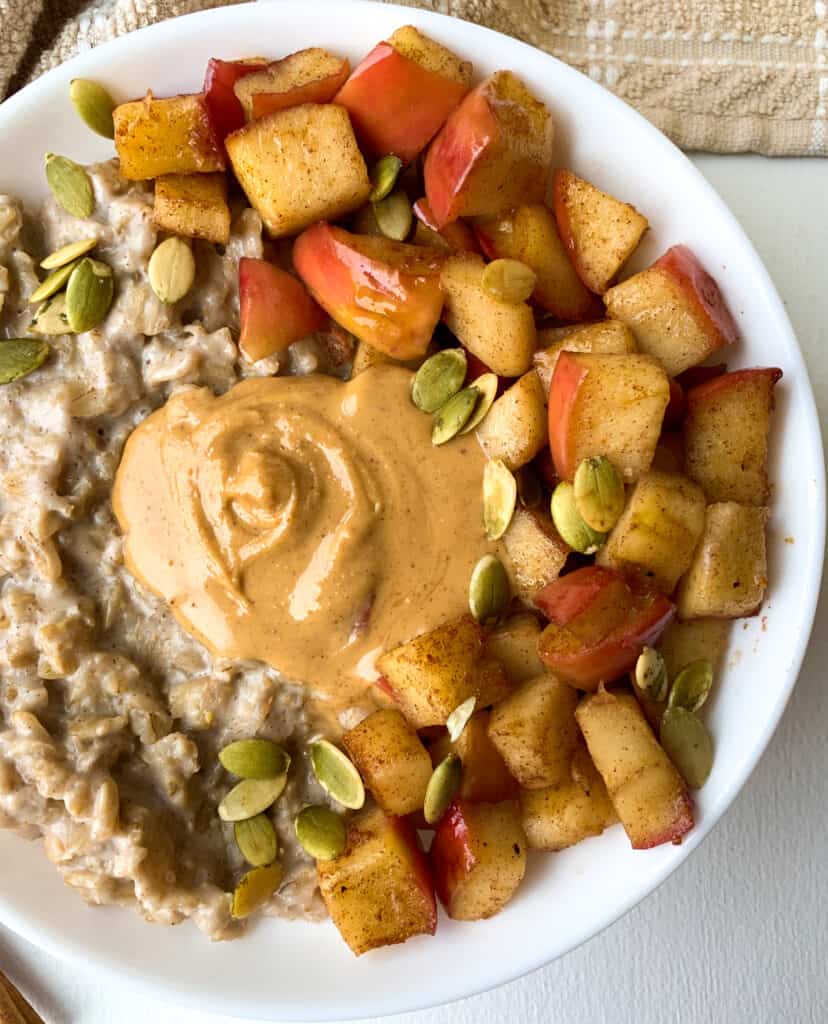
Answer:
(720, 75)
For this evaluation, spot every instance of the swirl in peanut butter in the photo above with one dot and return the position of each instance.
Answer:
(302, 521)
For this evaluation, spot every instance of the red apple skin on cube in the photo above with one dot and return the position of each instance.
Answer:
(385, 293)
(322, 90)
(598, 625)
(226, 113)
(702, 291)
(275, 309)
(563, 394)
(396, 105)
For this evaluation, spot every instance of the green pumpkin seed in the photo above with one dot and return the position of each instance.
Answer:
(489, 590)
(509, 281)
(21, 356)
(320, 832)
(250, 797)
(687, 743)
(599, 493)
(69, 253)
(51, 317)
(454, 415)
(88, 295)
(394, 216)
(254, 759)
(651, 674)
(384, 176)
(569, 524)
(53, 283)
(486, 384)
(459, 718)
(94, 106)
(172, 270)
(70, 185)
(442, 786)
(337, 775)
(255, 889)
(499, 498)
(439, 378)
(691, 686)
(256, 840)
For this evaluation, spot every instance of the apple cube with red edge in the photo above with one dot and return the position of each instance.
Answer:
(598, 231)
(308, 76)
(648, 794)
(492, 153)
(610, 405)
(478, 857)
(385, 293)
(402, 92)
(223, 106)
(275, 309)
(726, 433)
(379, 891)
(456, 236)
(599, 623)
(675, 310)
(529, 234)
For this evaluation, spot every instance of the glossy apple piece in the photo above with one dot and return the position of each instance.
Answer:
(598, 625)
(401, 93)
(226, 113)
(379, 891)
(385, 293)
(456, 236)
(493, 152)
(275, 310)
(478, 858)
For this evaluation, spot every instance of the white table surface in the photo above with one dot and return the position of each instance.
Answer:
(739, 933)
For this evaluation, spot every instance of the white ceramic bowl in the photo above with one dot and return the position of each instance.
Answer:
(295, 971)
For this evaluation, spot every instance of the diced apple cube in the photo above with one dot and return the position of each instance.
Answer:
(193, 205)
(300, 165)
(606, 405)
(648, 794)
(493, 152)
(308, 76)
(605, 338)
(275, 310)
(166, 136)
(675, 310)
(729, 571)
(658, 530)
(535, 551)
(392, 761)
(726, 435)
(479, 858)
(379, 891)
(599, 232)
(434, 673)
(514, 643)
(515, 429)
(534, 730)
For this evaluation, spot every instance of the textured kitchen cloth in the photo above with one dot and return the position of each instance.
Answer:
(720, 75)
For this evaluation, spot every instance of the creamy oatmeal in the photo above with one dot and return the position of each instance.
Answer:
(112, 714)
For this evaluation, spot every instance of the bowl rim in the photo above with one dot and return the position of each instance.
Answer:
(50, 939)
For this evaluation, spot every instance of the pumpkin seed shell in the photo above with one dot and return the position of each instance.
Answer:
(454, 415)
(256, 840)
(51, 318)
(569, 524)
(486, 384)
(171, 269)
(459, 718)
(337, 775)
(509, 281)
(651, 674)
(94, 106)
(599, 493)
(70, 185)
(52, 284)
(688, 745)
(254, 759)
(88, 295)
(68, 253)
(394, 216)
(384, 176)
(255, 889)
(489, 590)
(250, 797)
(21, 356)
(439, 378)
(321, 832)
(691, 686)
(442, 786)
(499, 498)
